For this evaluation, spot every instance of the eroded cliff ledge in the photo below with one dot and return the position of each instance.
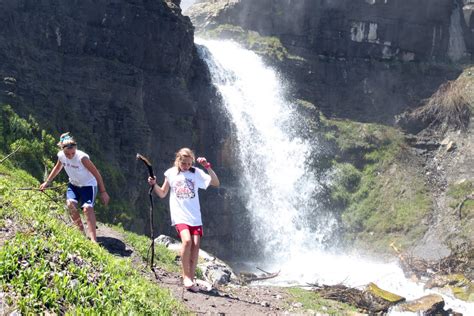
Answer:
(365, 59)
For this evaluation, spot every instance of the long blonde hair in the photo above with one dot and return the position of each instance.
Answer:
(181, 154)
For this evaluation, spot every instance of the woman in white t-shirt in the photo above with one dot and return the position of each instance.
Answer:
(83, 181)
(185, 182)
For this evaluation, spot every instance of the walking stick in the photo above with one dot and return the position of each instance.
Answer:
(150, 173)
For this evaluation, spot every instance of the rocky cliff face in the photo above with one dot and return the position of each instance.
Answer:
(122, 76)
(422, 30)
(368, 60)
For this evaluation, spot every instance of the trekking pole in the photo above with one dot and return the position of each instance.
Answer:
(36, 189)
(50, 198)
(150, 173)
(10, 154)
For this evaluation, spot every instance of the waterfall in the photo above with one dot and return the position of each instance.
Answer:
(275, 171)
(287, 221)
(457, 46)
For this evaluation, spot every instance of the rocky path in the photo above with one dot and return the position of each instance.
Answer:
(226, 300)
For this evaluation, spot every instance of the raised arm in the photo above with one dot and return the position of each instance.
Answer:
(207, 165)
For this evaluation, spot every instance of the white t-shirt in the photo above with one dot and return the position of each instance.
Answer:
(75, 169)
(184, 197)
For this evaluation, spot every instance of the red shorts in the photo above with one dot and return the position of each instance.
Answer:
(193, 230)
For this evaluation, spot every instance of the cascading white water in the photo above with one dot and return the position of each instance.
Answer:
(280, 185)
(275, 171)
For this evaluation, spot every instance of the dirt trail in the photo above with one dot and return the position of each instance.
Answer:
(226, 300)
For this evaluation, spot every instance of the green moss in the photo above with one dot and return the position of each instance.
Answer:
(461, 287)
(305, 105)
(387, 296)
(457, 194)
(460, 190)
(312, 301)
(381, 197)
(269, 46)
(380, 140)
(347, 181)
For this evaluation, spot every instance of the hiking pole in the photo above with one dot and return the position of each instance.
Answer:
(150, 173)
(36, 189)
(10, 154)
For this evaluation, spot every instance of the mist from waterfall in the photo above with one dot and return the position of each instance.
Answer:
(185, 4)
(280, 186)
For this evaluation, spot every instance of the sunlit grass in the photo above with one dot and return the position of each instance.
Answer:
(50, 267)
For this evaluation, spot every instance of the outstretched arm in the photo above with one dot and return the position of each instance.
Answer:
(56, 169)
(104, 197)
(160, 191)
(214, 179)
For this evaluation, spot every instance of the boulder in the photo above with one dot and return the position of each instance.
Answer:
(373, 289)
(214, 270)
(461, 287)
(427, 305)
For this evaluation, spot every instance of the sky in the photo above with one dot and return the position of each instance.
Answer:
(186, 3)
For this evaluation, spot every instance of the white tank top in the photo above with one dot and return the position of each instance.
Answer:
(75, 169)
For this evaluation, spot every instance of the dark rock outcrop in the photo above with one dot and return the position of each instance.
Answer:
(123, 77)
(423, 30)
(368, 60)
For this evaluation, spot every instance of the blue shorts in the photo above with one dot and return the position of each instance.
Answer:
(86, 195)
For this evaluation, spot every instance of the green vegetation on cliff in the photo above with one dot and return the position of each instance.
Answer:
(380, 192)
(269, 46)
(36, 153)
(35, 146)
(461, 200)
(48, 266)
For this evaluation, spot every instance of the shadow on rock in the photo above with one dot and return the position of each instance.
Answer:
(114, 246)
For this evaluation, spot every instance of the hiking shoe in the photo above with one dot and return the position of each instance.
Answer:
(193, 288)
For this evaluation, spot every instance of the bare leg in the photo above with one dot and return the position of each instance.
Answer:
(195, 253)
(90, 217)
(186, 244)
(76, 218)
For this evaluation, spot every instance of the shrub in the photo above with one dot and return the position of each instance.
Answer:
(36, 147)
(447, 107)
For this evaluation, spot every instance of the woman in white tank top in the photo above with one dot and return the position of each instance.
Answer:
(84, 179)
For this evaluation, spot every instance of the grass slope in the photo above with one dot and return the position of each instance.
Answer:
(47, 266)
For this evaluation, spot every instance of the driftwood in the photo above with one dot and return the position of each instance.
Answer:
(251, 277)
(416, 267)
(362, 299)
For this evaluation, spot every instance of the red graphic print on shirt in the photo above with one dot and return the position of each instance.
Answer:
(184, 189)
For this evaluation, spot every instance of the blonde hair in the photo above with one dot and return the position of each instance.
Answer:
(181, 154)
(66, 139)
